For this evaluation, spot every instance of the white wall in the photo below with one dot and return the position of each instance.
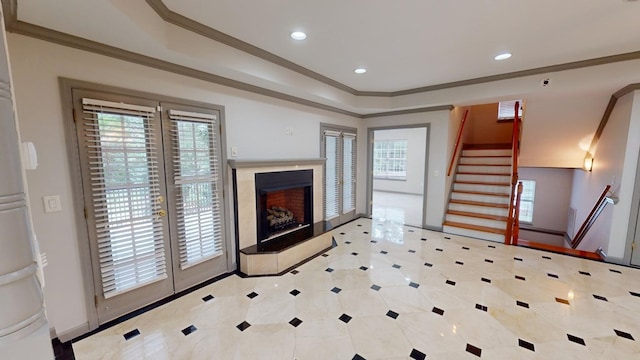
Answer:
(250, 119)
(439, 150)
(552, 196)
(615, 164)
(416, 145)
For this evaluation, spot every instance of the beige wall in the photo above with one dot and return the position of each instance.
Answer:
(484, 127)
(552, 196)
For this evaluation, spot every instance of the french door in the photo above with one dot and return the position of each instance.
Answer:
(339, 150)
(152, 190)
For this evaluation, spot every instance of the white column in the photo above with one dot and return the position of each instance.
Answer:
(24, 332)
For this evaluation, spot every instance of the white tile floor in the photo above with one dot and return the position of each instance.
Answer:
(389, 291)
(397, 207)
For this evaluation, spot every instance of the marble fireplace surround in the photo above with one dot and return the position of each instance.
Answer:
(270, 263)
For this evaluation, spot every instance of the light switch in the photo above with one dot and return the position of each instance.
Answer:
(234, 151)
(51, 203)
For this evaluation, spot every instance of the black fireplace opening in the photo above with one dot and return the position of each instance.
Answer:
(284, 204)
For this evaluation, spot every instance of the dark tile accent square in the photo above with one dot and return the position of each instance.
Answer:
(634, 293)
(325, 255)
(552, 275)
(294, 272)
(489, 261)
(341, 233)
(410, 230)
(207, 298)
(252, 295)
(481, 307)
(520, 278)
(459, 263)
(486, 280)
(243, 326)
(336, 290)
(423, 239)
(392, 314)
(357, 357)
(465, 248)
(345, 318)
(449, 282)
(359, 224)
(522, 303)
(347, 242)
(374, 241)
(546, 257)
(437, 311)
(600, 297)
(131, 334)
(364, 268)
(615, 271)
(526, 345)
(295, 322)
(354, 253)
(397, 266)
(438, 249)
(428, 264)
(474, 350)
(294, 292)
(563, 301)
(328, 270)
(189, 329)
(412, 251)
(417, 355)
(384, 252)
(492, 246)
(584, 273)
(517, 259)
(365, 232)
(576, 339)
(623, 334)
(376, 287)
(448, 238)
(414, 285)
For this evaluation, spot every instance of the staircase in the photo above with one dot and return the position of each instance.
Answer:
(479, 203)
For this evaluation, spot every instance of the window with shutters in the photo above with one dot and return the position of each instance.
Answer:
(506, 110)
(339, 150)
(390, 159)
(526, 201)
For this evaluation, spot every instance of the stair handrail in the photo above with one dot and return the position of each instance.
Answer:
(457, 144)
(515, 145)
(516, 215)
(590, 220)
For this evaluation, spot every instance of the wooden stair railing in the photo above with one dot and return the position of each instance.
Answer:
(515, 145)
(455, 148)
(593, 215)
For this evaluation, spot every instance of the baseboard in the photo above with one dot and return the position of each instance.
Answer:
(433, 228)
(73, 332)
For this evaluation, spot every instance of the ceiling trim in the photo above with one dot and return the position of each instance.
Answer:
(191, 25)
(409, 111)
(23, 28)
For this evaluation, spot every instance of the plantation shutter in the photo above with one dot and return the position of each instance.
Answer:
(196, 179)
(332, 174)
(123, 167)
(349, 172)
(506, 110)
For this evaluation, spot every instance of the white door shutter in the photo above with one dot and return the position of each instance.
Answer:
(331, 175)
(196, 179)
(123, 166)
(349, 172)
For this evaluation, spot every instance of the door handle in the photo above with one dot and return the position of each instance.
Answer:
(162, 213)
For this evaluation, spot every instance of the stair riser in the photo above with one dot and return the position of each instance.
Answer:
(483, 178)
(484, 169)
(474, 234)
(480, 198)
(479, 209)
(487, 152)
(485, 160)
(477, 221)
(482, 188)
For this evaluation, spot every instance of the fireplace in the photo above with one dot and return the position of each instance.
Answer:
(284, 205)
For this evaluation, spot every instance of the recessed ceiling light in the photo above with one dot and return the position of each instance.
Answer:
(298, 35)
(360, 70)
(502, 56)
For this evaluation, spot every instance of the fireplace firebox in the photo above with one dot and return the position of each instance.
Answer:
(284, 205)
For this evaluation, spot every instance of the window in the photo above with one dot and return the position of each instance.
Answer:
(506, 110)
(526, 201)
(390, 159)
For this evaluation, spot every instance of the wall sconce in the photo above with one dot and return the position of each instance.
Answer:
(588, 162)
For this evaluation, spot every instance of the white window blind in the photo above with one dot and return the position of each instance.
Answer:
(390, 159)
(125, 187)
(526, 201)
(332, 172)
(349, 172)
(506, 110)
(196, 179)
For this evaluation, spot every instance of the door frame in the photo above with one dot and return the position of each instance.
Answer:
(633, 225)
(66, 86)
(370, 139)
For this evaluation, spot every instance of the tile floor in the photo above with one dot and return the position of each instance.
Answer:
(397, 207)
(389, 291)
